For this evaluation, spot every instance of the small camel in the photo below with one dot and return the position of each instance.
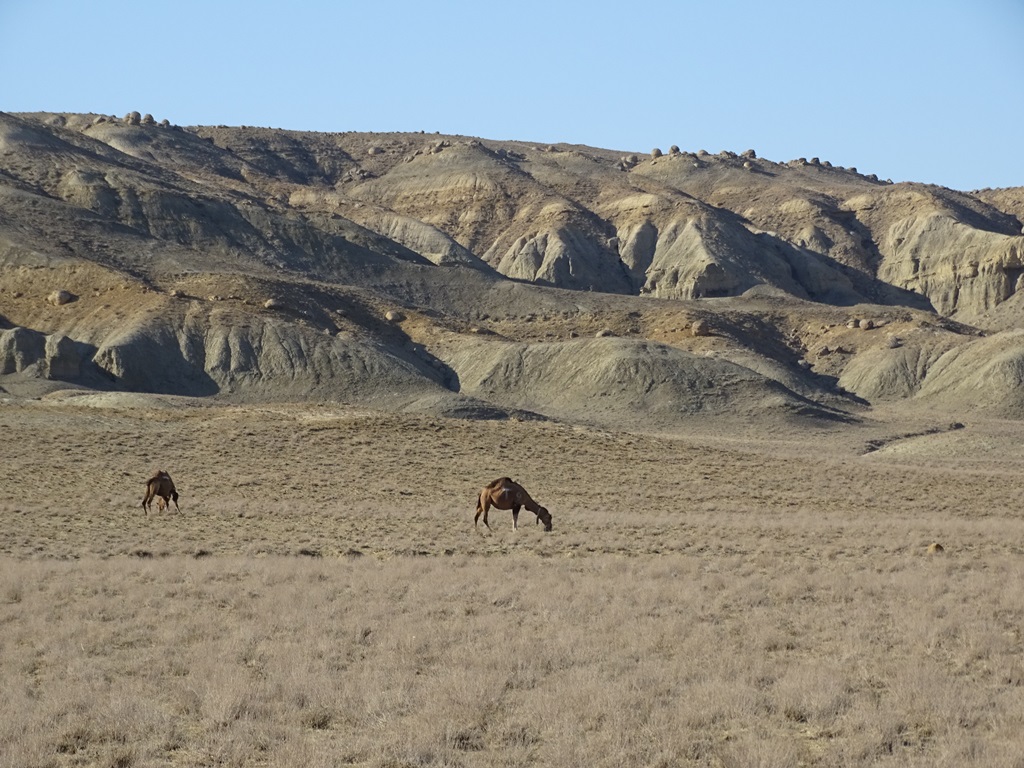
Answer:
(161, 487)
(504, 493)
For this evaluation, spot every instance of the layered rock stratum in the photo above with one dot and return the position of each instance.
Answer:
(485, 278)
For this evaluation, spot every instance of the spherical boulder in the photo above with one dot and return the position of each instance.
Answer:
(61, 297)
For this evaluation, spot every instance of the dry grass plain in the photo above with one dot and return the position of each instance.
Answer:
(740, 597)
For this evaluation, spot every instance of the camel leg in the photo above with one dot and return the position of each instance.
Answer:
(515, 518)
(482, 506)
(176, 503)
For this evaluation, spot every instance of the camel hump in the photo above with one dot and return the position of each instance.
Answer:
(159, 474)
(501, 481)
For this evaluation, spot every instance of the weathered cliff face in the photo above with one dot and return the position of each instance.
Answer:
(963, 271)
(680, 225)
(264, 359)
(583, 379)
(51, 356)
(958, 251)
(196, 353)
(20, 348)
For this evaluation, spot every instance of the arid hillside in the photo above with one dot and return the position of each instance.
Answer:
(463, 276)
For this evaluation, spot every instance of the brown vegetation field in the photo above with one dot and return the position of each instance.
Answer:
(750, 596)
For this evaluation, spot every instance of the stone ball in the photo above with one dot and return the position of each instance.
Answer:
(59, 298)
(700, 328)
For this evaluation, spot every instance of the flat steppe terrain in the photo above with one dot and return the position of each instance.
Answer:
(727, 595)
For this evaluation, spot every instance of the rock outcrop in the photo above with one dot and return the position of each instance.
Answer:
(20, 348)
(64, 358)
(54, 356)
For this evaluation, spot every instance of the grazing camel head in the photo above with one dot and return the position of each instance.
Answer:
(162, 503)
(543, 516)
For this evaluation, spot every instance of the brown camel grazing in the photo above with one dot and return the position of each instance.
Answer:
(160, 486)
(504, 493)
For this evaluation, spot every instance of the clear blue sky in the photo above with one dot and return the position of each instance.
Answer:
(913, 90)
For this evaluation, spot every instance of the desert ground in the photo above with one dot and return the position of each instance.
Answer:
(740, 597)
